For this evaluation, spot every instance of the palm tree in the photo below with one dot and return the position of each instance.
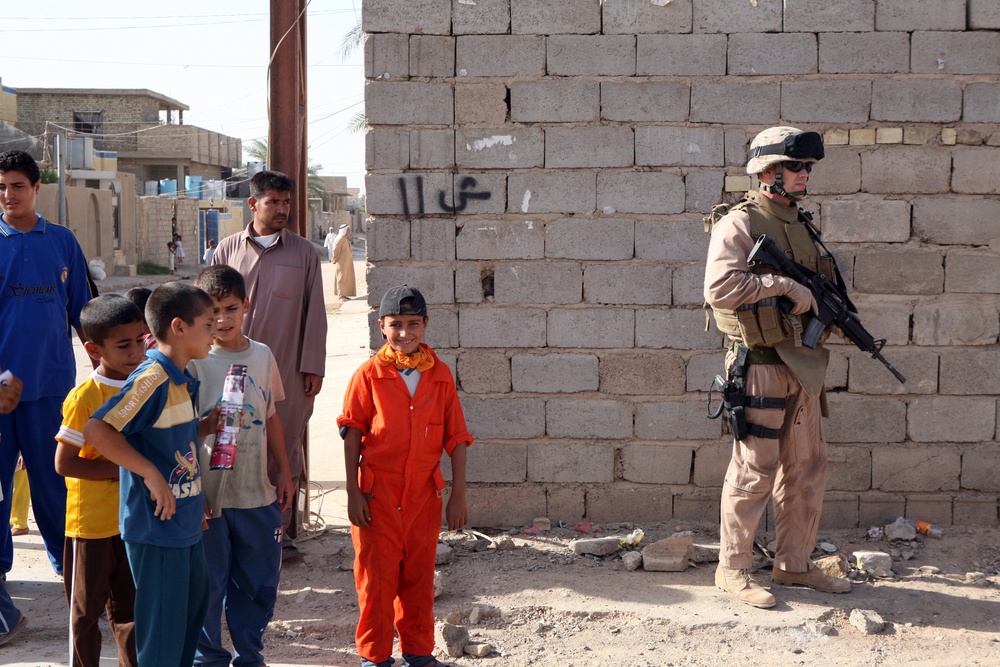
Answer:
(257, 150)
(352, 41)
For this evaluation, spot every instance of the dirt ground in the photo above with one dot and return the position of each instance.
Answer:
(540, 604)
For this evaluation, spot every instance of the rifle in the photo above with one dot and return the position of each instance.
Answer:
(833, 303)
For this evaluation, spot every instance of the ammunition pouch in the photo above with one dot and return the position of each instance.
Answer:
(762, 324)
(734, 401)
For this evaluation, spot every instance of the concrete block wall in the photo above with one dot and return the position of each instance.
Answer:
(541, 170)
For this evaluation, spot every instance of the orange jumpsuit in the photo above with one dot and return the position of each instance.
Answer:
(402, 440)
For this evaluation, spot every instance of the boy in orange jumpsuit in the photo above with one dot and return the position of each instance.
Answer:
(400, 411)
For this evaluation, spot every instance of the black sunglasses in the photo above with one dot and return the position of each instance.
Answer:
(795, 166)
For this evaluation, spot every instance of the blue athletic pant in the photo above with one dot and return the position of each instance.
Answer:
(8, 612)
(171, 597)
(243, 552)
(31, 429)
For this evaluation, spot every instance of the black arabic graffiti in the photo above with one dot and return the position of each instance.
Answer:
(465, 194)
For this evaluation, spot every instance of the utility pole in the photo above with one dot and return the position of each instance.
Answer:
(287, 142)
(61, 171)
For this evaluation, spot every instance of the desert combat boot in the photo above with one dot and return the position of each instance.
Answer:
(814, 579)
(740, 584)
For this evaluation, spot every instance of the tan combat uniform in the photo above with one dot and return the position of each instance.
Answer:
(791, 468)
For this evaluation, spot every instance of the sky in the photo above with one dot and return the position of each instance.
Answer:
(210, 55)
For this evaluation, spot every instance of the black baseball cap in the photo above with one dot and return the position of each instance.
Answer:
(393, 299)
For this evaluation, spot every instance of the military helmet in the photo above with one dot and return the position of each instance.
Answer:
(778, 144)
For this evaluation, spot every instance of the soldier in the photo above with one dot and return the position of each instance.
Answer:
(782, 454)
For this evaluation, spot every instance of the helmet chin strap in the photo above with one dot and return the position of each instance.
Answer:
(778, 188)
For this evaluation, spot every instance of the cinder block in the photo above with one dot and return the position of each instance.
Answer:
(916, 468)
(588, 418)
(431, 240)
(500, 55)
(387, 54)
(388, 239)
(480, 104)
(737, 184)
(771, 53)
(848, 468)
(898, 169)
(967, 371)
(910, 15)
(507, 418)
(981, 467)
(657, 464)
(889, 135)
(917, 136)
(505, 506)
(567, 100)
(935, 509)
(674, 328)
(865, 419)
(710, 463)
(837, 137)
(654, 192)
(698, 504)
(409, 103)
(972, 270)
(819, 16)
(840, 510)
(702, 190)
(432, 149)
(672, 240)
(436, 282)
(956, 220)
(957, 320)
(633, 17)
(552, 18)
(836, 371)
(878, 509)
(642, 373)
(678, 146)
(509, 147)
(866, 220)
(981, 103)
(863, 136)
(428, 17)
(680, 55)
(620, 502)
(735, 102)
(974, 511)
(962, 52)
(432, 56)
(951, 419)
(493, 463)
(725, 17)
(538, 282)
(916, 100)
(576, 463)
(484, 372)
(502, 327)
(949, 136)
(442, 328)
(591, 55)
(387, 148)
(683, 419)
(483, 17)
(590, 238)
(702, 369)
(554, 373)
(566, 503)
(651, 101)
(984, 14)
(552, 191)
(869, 376)
(891, 271)
(626, 284)
(591, 327)
(976, 171)
(737, 147)
(688, 285)
(412, 194)
(826, 101)
(499, 239)
(605, 146)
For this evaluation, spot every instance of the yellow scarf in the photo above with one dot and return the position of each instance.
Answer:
(421, 359)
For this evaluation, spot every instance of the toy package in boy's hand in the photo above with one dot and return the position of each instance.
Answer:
(224, 450)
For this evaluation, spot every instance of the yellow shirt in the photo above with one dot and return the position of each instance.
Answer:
(91, 504)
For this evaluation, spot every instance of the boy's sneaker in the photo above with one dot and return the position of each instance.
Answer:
(740, 584)
(814, 579)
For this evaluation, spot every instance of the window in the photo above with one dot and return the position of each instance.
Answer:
(88, 122)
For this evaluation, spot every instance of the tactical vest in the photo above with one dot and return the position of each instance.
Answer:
(764, 324)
